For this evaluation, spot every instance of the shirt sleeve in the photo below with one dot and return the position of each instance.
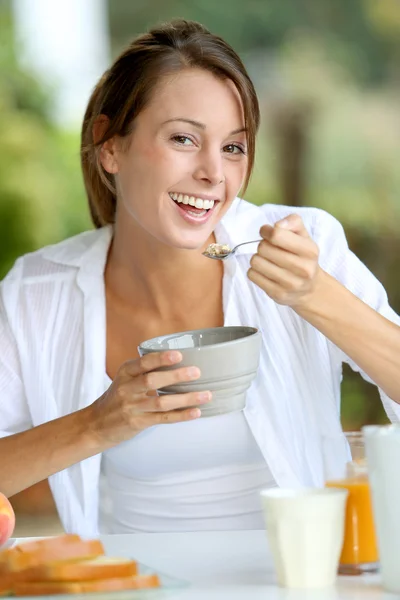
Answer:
(339, 261)
(14, 411)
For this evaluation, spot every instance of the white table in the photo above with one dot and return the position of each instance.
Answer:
(229, 565)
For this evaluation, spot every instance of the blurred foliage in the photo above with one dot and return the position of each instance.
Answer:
(327, 74)
(41, 191)
(352, 147)
(363, 35)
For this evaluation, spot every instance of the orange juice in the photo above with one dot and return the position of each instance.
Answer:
(359, 545)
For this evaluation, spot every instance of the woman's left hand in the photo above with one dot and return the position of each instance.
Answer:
(286, 263)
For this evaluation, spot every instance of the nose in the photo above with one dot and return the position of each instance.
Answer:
(210, 167)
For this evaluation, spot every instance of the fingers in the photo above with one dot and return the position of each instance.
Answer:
(273, 289)
(278, 260)
(175, 416)
(166, 409)
(291, 235)
(286, 263)
(286, 278)
(293, 223)
(171, 402)
(138, 395)
(150, 362)
(159, 379)
(289, 241)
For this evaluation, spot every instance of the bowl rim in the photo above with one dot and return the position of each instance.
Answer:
(254, 331)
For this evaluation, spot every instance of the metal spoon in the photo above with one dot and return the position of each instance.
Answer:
(222, 251)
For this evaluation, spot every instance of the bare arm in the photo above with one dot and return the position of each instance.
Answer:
(365, 336)
(37, 453)
(286, 267)
(128, 407)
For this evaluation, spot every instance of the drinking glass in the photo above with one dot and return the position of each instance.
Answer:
(305, 532)
(383, 456)
(347, 469)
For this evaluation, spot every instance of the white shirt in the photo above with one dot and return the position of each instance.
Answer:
(53, 349)
(197, 475)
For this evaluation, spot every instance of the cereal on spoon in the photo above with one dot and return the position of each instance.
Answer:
(217, 250)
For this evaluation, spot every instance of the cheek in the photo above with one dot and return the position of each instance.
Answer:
(150, 153)
(160, 162)
(235, 174)
(139, 169)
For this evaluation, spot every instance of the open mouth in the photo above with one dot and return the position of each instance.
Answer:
(197, 207)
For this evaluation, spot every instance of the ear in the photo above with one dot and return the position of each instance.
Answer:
(108, 155)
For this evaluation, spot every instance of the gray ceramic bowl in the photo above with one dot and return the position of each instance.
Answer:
(227, 357)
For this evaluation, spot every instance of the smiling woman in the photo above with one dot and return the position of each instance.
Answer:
(190, 56)
(168, 142)
(203, 159)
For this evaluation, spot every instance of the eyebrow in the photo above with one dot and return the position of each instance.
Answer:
(201, 125)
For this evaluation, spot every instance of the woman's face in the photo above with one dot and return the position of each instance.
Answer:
(186, 159)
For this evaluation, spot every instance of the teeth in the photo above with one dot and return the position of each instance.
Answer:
(197, 214)
(192, 201)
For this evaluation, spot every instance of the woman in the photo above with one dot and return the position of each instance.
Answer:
(167, 143)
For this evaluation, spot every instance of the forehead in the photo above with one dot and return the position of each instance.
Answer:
(198, 95)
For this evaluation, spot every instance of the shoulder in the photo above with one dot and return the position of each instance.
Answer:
(53, 261)
(38, 274)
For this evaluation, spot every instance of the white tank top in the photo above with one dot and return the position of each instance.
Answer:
(198, 475)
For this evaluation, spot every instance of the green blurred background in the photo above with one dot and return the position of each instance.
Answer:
(328, 77)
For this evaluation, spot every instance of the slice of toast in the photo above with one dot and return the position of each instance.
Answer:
(78, 587)
(33, 554)
(48, 545)
(102, 567)
(33, 545)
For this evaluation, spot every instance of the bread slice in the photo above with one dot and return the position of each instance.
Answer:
(78, 587)
(36, 545)
(63, 548)
(102, 567)
(47, 545)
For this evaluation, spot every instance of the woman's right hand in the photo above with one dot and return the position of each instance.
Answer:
(131, 404)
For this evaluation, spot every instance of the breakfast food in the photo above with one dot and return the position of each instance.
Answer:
(102, 567)
(63, 548)
(217, 250)
(114, 584)
(67, 564)
(7, 519)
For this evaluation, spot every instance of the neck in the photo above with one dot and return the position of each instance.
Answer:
(143, 272)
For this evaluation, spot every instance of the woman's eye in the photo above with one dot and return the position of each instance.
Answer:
(234, 149)
(183, 140)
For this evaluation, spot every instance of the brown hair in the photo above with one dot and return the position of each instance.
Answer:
(125, 89)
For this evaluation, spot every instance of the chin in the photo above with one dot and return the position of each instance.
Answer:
(186, 243)
(189, 245)
(183, 238)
